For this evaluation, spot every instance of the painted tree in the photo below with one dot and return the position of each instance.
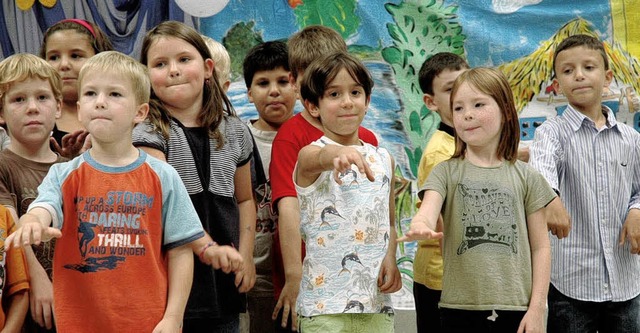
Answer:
(422, 28)
(339, 15)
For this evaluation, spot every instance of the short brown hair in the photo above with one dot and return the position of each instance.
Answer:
(493, 83)
(310, 43)
(587, 41)
(323, 70)
(23, 66)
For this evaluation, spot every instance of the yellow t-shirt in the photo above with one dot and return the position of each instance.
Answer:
(427, 264)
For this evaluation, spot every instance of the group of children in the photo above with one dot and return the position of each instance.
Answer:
(292, 217)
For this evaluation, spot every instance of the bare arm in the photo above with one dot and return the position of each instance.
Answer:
(34, 227)
(180, 279)
(291, 244)
(533, 320)
(314, 160)
(18, 306)
(389, 279)
(424, 223)
(246, 278)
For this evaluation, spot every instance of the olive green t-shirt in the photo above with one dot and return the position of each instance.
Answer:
(487, 257)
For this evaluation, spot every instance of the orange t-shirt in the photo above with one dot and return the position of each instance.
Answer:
(110, 271)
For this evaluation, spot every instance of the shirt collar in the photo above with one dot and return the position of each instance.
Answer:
(446, 128)
(576, 119)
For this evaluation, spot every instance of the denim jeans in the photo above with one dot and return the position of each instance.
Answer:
(568, 315)
(463, 321)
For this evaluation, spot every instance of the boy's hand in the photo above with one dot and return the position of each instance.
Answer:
(287, 303)
(73, 144)
(345, 159)
(532, 322)
(246, 277)
(631, 230)
(41, 299)
(168, 325)
(389, 279)
(419, 231)
(30, 232)
(223, 257)
(558, 219)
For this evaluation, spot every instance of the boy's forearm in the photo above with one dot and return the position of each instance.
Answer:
(290, 238)
(18, 306)
(180, 264)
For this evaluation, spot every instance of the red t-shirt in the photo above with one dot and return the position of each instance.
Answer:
(292, 136)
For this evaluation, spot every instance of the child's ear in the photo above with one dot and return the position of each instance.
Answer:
(312, 108)
(141, 113)
(556, 86)
(608, 77)
(58, 113)
(429, 103)
(250, 95)
(209, 67)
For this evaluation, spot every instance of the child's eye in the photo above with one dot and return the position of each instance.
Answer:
(158, 65)
(356, 93)
(479, 105)
(185, 59)
(567, 71)
(333, 94)
(115, 94)
(53, 57)
(43, 97)
(283, 82)
(89, 93)
(263, 83)
(18, 100)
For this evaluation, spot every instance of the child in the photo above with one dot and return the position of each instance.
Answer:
(194, 128)
(134, 225)
(347, 214)
(310, 43)
(15, 281)
(436, 78)
(496, 247)
(30, 99)
(221, 60)
(266, 74)
(592, 161)
(66, 46)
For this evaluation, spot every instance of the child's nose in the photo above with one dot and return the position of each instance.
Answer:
(173, 70)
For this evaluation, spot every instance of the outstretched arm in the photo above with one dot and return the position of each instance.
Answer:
(314, 160)
(34, 228)
(424, 223)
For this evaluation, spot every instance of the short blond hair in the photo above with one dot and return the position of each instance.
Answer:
(221, 59)
(22, 66)
(122, 65)
(311, 43)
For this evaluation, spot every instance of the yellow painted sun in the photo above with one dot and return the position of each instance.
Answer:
(27, 4)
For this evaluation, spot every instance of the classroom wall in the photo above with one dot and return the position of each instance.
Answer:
(393, 38)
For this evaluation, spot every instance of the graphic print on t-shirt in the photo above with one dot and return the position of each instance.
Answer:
(109, 229)
(487, 217)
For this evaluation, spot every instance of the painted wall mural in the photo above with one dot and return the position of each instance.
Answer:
(393, 38)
